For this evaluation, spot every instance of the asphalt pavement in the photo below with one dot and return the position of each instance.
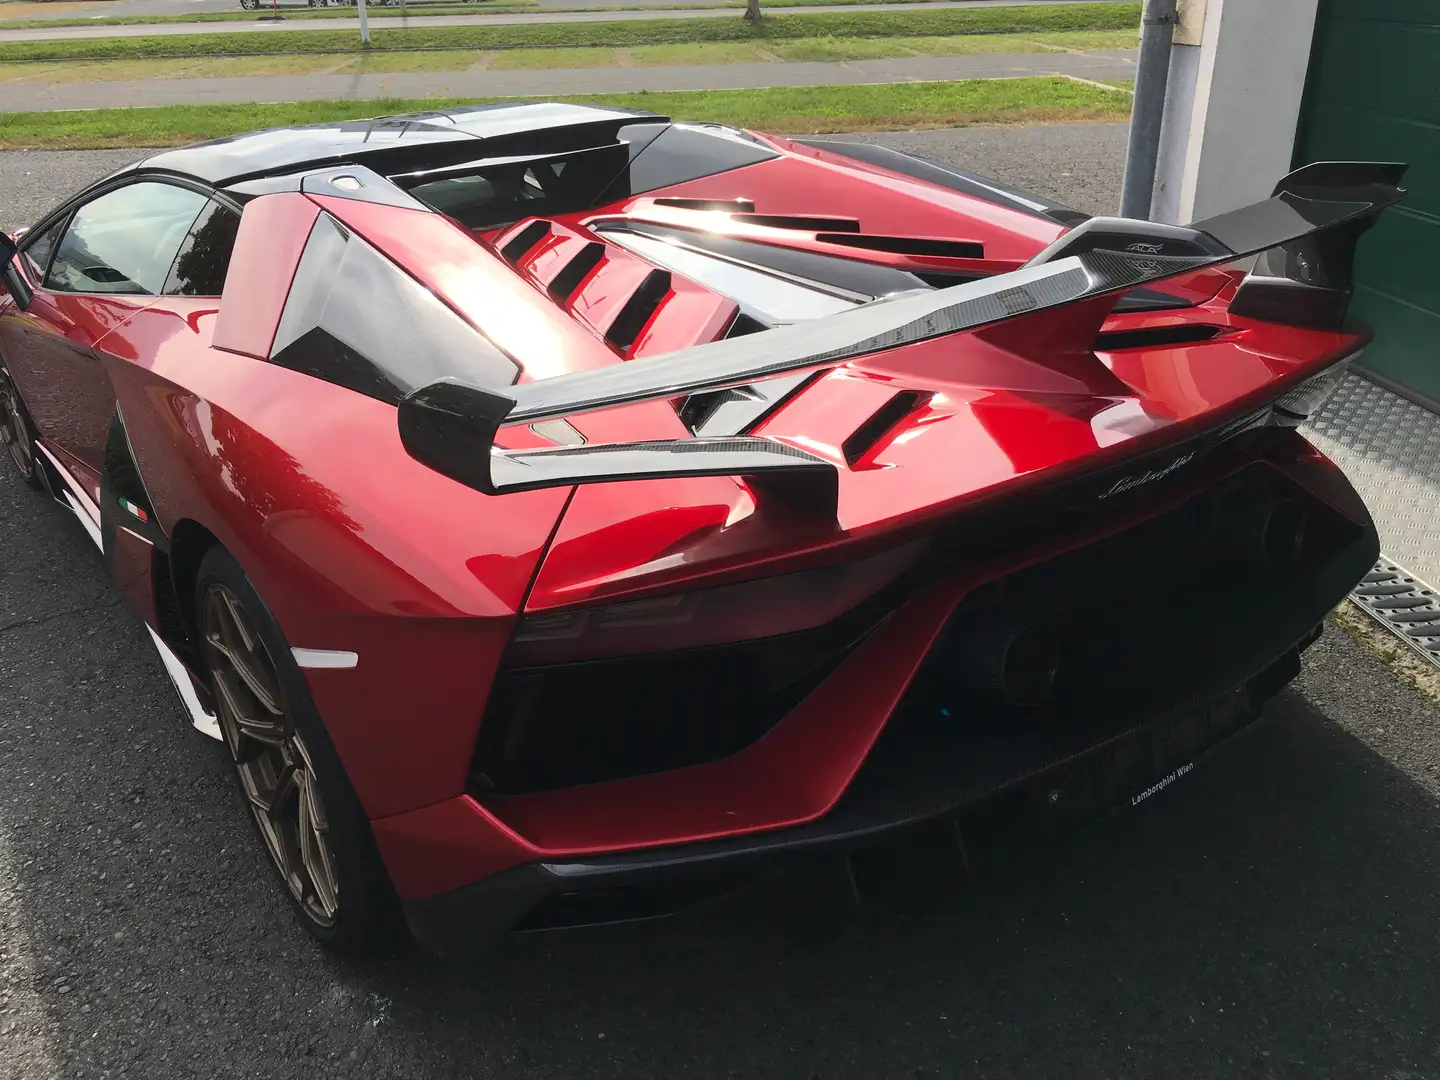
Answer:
(241, 26)
(550, 82)
(1271, 915)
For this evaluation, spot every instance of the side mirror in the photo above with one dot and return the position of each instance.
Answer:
(10, 274)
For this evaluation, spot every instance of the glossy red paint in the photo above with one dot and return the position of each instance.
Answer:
(359, 548)
(999, 411)
(131, 561)
(356, 546)
(809, 181)
(51, 351)
(267, 250)
(687, 315)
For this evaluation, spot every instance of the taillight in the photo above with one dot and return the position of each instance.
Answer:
(749, 610)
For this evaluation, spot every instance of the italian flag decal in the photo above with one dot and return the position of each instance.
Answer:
(126, 504)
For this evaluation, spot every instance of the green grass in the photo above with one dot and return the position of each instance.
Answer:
(718, 52)
(860, 24)
(788, 110)
(498, 7)
(417, 10)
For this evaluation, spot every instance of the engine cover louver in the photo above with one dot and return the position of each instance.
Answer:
(635, 307)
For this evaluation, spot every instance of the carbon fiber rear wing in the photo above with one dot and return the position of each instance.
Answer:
(1306, 233)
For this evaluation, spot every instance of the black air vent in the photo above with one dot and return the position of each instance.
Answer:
(745, 324)
(522, 242)
(564, 284)
(908, 245)
(638, 309)
(728, 206)
(1156, 337)
(803, 224)
(873, 430)
(1151, 300)
(943, 279)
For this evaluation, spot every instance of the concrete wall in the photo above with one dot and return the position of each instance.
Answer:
(1234, 100)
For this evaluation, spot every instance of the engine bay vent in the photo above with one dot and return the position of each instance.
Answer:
(728, 206)
(638, 310)
(524, 241)
(563, 285)
(907, 245)
(1156, 337)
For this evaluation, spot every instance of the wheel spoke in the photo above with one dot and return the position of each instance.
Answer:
(262, 729)
(273, 763)
(283, 796)
(314, 851)
(242, 651)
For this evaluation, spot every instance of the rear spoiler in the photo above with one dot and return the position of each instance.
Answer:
(1306, 234)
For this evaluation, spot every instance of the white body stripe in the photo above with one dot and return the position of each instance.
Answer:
(77, 498)
(202, 720)
(325, 658)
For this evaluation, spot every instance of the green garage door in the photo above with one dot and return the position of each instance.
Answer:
(1374, 94)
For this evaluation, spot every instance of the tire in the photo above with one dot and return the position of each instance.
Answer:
(249, 5)
(17, 432)
(305, 812)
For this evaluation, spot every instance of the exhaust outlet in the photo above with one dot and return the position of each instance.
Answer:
(1007, 665)
(1259, 532)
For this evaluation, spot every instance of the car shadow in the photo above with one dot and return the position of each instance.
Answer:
(1272, 914)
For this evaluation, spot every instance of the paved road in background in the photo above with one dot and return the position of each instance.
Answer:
(550, 82)
(350, 22)
(1273, 915)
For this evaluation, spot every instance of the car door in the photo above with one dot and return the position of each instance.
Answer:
(111, 259)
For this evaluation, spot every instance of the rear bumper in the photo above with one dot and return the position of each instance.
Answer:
(913, 840)
(915, 799)
(919, 842)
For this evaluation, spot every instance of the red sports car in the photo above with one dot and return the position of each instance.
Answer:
(564, 514)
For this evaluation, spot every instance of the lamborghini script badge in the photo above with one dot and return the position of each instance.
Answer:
(1149, 475)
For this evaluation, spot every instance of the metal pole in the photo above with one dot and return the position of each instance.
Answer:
(365, 24)
(1152, 73)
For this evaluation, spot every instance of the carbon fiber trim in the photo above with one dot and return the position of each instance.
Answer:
(524, 469)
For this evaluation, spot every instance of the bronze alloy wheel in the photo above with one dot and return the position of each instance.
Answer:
(275, 768)
(14, 432)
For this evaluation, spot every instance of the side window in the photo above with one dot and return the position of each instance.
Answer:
(37, 251)
(125, 241)
(205, 253)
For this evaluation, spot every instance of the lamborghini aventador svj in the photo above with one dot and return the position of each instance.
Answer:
(565, 514)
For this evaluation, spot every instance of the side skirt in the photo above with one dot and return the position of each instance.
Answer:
(65, 490)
